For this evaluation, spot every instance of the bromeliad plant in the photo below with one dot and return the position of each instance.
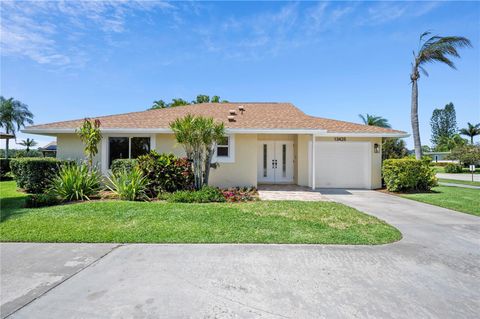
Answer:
(76, 182)
(199, 136)
(128, 185)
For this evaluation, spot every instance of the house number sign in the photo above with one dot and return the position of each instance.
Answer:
(340, 139)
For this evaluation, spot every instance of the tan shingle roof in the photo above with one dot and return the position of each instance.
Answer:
(256, 116)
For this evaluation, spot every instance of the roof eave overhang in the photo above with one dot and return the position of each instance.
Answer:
(317, 132)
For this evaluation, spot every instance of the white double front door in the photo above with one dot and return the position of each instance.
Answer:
(275, 161)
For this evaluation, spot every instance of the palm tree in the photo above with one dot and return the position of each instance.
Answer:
(13, 116)
(28, 143)
(435, 49)
(373, 120)
(471, 130)
(160, 104)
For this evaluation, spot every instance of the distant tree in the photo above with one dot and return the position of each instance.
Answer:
(443, 124)
(426, 148)
(446, 144)
(434, 49)
(178, 102)
(466, 154)
(91, 136)
(394, 148)
(373, 120)
(201, 98)
(13, 116)
(215, 99)
(471, 131)
(29, 142)
(160, 104)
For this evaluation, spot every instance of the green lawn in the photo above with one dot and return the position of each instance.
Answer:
(460, 199)
(441, 169)
(456, 181)
(161, 222)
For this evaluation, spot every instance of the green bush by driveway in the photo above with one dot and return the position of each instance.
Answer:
(163, 222)
(407, 174)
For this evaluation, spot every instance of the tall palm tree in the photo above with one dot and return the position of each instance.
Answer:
(29, 142)
(13, 116)
(435, 49)
(373, 120)
(471, 130)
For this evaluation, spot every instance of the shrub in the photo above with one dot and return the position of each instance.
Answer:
(453, 168)
(4, 169)
(407, 174)
(34, 174)
(238, 194)
(206, 194)
(128, 184)
(123, 164)
(165, 173)
(41, 200)
(75, 182)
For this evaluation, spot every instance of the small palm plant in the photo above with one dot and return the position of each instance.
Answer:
(471, 131)
(91, 136)
(128, 185)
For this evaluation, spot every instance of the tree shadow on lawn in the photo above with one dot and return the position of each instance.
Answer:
(11, 206)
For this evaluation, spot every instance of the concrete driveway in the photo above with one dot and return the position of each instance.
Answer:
(433, 272)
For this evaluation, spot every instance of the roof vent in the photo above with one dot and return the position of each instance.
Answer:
(241, 108)
(231, 118)
(233, 112)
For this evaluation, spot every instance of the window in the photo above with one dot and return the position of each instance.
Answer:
(223, 147)
(127, 147)
(284, 160)
(264, 160)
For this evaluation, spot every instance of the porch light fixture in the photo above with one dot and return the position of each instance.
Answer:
(376, 148)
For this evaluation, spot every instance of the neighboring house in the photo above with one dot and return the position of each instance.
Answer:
(49, 150)
(439, 157)
(265, 143)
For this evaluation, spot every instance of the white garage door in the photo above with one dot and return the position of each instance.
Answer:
(343, 165)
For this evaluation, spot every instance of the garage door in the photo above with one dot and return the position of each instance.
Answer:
(343, 165)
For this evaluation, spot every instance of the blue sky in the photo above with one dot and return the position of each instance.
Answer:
(70, 60)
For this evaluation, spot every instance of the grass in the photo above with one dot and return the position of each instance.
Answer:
(456, 181)
(464, 200)
(161, 222)
(441, 169)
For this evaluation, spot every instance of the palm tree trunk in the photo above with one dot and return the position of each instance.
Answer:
(414, 119)
(471, 139)
(7, 143)
(208, 162)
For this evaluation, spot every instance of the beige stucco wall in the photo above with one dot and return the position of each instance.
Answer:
(166, 143)
(244, 171)
(302, 159)
(69, 146)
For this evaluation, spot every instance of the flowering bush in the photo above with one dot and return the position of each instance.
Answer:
(238, 194)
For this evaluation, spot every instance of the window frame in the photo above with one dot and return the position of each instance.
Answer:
(231, 151)
(105, 149)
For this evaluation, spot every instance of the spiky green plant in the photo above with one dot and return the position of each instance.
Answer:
(128, 185)
(76, 182)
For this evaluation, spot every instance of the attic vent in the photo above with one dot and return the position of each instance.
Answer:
(231, 118)
(233, 112)
(241, 108)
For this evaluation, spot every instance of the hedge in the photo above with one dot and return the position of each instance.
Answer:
(34, 174)
(453, 168)
(406, 174)
(123, 164)
(4, 168)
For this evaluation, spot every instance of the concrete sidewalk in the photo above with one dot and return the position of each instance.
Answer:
(433, 272)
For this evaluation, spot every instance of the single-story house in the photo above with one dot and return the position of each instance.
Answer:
(266, 143)
(439, 157)
(49, 150)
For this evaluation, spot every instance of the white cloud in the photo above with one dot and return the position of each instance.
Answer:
(38, 29)
(385, 12)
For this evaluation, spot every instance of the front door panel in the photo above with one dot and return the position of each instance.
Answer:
(275, 162)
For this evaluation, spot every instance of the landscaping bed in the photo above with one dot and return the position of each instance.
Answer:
(169, 222)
